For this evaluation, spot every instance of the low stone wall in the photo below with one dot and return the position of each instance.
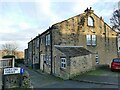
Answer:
(0, 79)
(13, 81)
(80, 64)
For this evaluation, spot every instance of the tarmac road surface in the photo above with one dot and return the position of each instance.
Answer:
(40, 80)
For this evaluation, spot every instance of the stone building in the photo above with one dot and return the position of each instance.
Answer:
(26, 57)
(74, 45)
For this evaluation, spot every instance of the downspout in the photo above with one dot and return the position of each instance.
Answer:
(39, 51)
(51, 50)
(69, 59)
(117, 44)
(105, 35)
(32, 53)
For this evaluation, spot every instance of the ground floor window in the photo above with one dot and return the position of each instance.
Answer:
(97, 59)
(63, 62)
(48, 59)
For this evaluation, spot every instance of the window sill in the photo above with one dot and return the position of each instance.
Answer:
(48, 65)
(91, 26)
(89, 45)
(94, 45)
(63, 69)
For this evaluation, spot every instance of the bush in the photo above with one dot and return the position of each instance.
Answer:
(16, 64)
(19, 61)
(8, 56)
(26, 83)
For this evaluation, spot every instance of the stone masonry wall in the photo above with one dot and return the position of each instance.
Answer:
(80, 64)
(12, 81)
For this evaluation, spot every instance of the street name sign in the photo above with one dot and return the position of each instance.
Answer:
(14, 70)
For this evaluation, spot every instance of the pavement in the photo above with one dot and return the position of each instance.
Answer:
(108, 80)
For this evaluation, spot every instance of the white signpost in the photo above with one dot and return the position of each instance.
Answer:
(14, 70)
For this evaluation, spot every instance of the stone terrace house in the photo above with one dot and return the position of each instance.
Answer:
(73, 46)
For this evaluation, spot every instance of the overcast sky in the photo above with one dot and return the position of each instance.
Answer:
(21, 20)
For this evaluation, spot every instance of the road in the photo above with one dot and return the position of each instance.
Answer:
(48, 81)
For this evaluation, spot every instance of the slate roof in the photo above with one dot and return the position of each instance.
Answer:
(73, 51)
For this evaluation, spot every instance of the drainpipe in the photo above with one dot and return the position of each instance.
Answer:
(51, 50)
(39, 51)
(117, 39)
(32, 54)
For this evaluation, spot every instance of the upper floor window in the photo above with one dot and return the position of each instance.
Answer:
(91, 40)
(37, 42)
(90, 21)
(88, 38)
(41, 41)
(48, 39)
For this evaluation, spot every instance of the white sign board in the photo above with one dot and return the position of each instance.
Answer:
(14, 70)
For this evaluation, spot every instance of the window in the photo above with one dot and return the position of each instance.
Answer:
(91, 40)
(88, 37)
(48, 39)
(38, 42)
(41, 40)
(116, 60)
(48, 59)
(63, 63)
(90, 21)
(119, 48)
(97, 59)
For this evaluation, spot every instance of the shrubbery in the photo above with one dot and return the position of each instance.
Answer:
(8, 56)
(17, 61)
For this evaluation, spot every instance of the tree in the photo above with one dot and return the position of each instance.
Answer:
(115, 20)
(10, 48)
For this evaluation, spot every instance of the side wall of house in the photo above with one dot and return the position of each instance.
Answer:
(106, 43)
(45, 53)
(36, 52)
(73, 32)
(26, 56)
(42, 52)
(30, 48)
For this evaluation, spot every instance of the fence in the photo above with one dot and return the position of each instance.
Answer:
(7, 62)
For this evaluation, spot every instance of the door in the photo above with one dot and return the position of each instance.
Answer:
(41, 61)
